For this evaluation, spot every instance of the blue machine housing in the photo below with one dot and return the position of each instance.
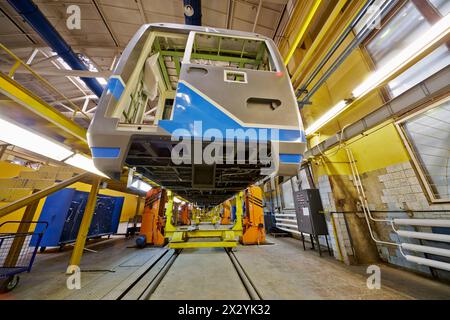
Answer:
(64, 211)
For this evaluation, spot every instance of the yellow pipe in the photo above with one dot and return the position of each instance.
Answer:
(338, 246)
(298, 9)
(85, 223)
(302, 31)
(328, 24)
(354, 7)
(14, 68)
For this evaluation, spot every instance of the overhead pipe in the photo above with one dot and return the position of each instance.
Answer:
(193, 12)
(330, 23)
(386, 7)
(336, 45)
(34, 17)
(302, 31)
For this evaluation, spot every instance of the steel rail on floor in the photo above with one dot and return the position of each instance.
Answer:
(250, 287)
(144, 286)
(146, 283)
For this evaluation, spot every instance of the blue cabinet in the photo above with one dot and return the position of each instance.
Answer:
(64, 211)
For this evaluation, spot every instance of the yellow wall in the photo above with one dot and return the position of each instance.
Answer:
(9, 170)
(379, 148)
(339, 86)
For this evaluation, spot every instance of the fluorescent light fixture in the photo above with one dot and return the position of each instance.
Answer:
(84, 163)
(25, 139)
(437, 32)
(330, 114)
(102, 81)
(175, 199)
(141, 185)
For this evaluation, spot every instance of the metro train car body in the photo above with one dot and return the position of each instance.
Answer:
(174, 77)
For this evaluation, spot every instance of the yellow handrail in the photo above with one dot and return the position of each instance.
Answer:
(19, 62)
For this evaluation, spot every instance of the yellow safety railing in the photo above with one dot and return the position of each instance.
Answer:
(61, 97)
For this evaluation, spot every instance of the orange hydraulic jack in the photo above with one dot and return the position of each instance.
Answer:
(226, 213)
(253, 222)
(152, 226)
(184, 216)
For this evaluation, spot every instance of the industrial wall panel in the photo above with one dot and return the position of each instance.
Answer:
(308, 208)
(64, 211)
(54, 212)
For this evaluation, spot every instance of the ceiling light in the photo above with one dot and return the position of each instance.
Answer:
(175, 199)
(102, 81)
(25, 139)
(84, 163)
(330, 114)
(437, 32)
(141, 185)
(430, 38)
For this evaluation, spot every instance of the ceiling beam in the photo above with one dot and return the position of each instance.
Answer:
(141, 11)
(108, 27)
(258, 12)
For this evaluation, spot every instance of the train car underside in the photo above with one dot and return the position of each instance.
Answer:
(205, 184)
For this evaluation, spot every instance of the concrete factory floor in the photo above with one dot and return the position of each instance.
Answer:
(279, 271)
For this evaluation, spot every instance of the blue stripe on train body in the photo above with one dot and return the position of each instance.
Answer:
(105, 152)
(115, 86)
(190, 107)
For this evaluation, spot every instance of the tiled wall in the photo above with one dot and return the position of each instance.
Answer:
(402, 189)
(326, 195)
(394, 188)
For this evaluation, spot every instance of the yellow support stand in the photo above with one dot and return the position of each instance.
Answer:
(169, 228)
(85, 223)
(179, 238)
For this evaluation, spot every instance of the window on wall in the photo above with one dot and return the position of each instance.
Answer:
(427, 136)
(400, 31)
(443, 6)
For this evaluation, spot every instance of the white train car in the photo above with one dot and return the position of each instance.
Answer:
(197, 81)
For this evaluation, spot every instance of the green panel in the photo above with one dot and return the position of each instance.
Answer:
(211, 57)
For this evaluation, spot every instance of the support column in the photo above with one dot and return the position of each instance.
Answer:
(85, 223)
(24, 228)
(3, 149)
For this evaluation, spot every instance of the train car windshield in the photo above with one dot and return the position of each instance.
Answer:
(234, 52)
